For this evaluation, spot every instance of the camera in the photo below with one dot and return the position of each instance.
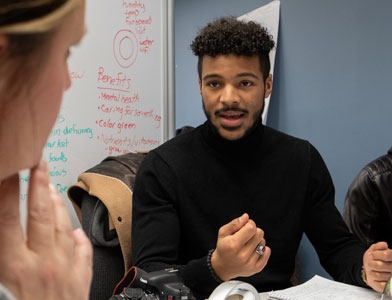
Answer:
(159, 285)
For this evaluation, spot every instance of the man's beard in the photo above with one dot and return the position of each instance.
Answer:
(257, 117)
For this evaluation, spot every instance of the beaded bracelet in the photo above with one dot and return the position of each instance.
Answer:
(209, 266)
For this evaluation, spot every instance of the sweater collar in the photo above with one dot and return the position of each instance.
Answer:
(251, 140)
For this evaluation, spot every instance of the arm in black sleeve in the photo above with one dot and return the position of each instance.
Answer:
(359, 207)
(340, 253)
(156, 230)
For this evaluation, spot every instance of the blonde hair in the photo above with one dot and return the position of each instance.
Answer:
(39, 25)
(29, 26)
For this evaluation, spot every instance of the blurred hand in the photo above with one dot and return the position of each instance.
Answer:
(54, 261)
(235, 253)
(377, 261)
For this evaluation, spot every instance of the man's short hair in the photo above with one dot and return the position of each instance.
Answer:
(229, 35)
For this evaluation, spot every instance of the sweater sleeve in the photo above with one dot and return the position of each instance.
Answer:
(156, 230)
(5, 294)
(339, 251)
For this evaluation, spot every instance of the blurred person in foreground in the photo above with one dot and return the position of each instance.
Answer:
(52, 261)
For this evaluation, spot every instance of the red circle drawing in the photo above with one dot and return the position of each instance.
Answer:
(125, 48)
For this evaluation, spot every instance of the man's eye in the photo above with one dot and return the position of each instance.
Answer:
(213, 84)
(246, 83)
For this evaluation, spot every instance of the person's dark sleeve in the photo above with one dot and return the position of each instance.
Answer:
(359, 207)
(340, 253)
(156, 230)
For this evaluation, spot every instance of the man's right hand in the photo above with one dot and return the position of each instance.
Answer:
(235, 254)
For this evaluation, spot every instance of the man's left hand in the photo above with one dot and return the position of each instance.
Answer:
(377, 262)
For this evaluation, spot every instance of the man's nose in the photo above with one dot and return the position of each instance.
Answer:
(229, 95)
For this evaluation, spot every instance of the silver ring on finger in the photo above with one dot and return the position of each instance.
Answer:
(260, 249)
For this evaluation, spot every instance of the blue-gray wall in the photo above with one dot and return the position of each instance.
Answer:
(332, 80)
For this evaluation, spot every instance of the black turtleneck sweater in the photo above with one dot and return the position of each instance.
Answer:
(190, 186)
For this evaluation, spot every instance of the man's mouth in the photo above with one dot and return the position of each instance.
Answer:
(232, 115)
(231, 118)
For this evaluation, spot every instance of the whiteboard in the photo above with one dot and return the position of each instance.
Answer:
(121, 99)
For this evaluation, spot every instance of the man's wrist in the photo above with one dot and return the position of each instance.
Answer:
(211, 269)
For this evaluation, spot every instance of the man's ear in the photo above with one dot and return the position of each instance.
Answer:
(268, 86)
(200, 86)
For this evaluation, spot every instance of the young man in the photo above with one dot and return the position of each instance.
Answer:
(232, 198)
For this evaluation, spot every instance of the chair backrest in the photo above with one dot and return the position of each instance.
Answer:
(102, 199)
